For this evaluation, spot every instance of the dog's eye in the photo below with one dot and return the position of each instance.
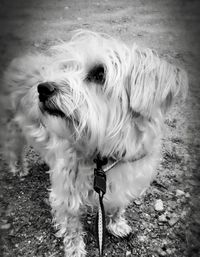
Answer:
(96, 75)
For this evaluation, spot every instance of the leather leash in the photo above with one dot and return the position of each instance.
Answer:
(100, 188)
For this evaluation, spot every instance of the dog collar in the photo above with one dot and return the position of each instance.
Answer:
(111, 163)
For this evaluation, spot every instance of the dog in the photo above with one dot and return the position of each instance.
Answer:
(92, 95)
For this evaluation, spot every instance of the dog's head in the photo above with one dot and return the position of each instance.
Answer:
(96, 92)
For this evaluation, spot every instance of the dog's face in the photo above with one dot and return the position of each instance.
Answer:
(96, 93)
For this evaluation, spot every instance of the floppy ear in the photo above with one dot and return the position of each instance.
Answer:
(153, 82)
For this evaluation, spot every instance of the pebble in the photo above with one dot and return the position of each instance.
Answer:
(128, 253)
(179, 192)
(173, 221)
(135, 216)
(146, 216)
(142, 238)
(172, 205)
(36, 44)
(183, 214)
(46, 201)
(169, 252)
(11, 233)
(39, 238)
(6, 226)
(193, 182)
(161, 252)
(137, 202)
(66, 7)
(159, 205)
(187, 195)
(162, 218)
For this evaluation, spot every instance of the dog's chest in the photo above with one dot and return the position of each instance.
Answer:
(125, 182)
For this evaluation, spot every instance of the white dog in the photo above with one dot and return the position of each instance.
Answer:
(92, 96)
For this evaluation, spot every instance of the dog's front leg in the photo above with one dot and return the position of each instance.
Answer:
(15, 149)
(117, 224)
(70, 229)
(65, 202)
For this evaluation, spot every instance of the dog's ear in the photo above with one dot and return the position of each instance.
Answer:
(153, 82)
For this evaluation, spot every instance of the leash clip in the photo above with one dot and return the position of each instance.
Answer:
(100, 181)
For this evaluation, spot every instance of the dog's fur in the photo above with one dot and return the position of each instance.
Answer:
(111, 100)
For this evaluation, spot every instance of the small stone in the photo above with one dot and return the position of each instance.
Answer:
(143, 226)
(164, 242)
(36, 44)
(179, 192)
(142, 238)
(162, 218)
(135, 216)
(66, 7)
(11, 233)
(173, 221)
(172, 205)
(169, 252)
(128, 253)
(79, 18)
(183, 214)
(159, 205)
(146, 216)
(161, 252)
(151, 210)
(187, 195)
(137, 202)
(39, 238)
(46, 201)
(6, 226)
(193, 182)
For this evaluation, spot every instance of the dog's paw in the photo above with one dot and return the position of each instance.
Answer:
(14, 168)
(19, 169)
(75, 248)
(119, 228)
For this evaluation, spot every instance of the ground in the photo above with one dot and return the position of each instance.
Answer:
(172, 28)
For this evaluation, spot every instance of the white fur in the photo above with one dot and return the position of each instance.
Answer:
(121, 119)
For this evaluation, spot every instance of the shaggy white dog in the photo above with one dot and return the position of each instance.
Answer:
(91, 96)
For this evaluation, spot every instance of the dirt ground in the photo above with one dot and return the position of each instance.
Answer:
(172, 28)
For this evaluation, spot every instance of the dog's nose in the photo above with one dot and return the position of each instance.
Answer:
(46, 90)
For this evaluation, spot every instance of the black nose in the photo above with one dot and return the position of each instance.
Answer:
(46, 90)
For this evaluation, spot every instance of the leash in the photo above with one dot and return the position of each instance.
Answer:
(100, 188)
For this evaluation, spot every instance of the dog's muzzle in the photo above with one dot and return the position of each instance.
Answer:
(46, 90)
